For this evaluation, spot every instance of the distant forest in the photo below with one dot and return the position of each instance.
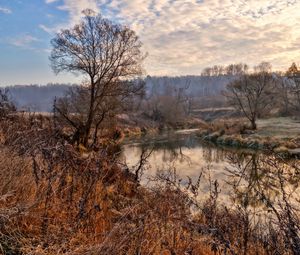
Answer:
(36, 98)
(39, 98)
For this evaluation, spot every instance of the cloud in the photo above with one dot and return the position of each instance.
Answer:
(5, 10)
(47, 29)
(184, 36)
(51, 1)
(75, 8)
(24, 41)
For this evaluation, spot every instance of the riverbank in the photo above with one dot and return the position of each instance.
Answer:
(277, 135)
(137, 125)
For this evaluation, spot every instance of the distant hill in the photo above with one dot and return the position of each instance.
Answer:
(40, 98)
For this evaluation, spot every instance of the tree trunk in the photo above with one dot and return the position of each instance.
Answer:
(253, 124)
(86, 134)
(88, 125)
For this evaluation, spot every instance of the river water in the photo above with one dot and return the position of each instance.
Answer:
(190, 157)
(242, 176)
(260, 186)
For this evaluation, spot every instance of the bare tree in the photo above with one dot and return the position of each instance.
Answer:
(108, 55)
(283, 93)
(236, 69)
(232, 70)
(171, 101)
(252, 94)
(293, 75)
(6, 105)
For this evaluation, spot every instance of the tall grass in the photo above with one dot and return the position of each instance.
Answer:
(56, 199)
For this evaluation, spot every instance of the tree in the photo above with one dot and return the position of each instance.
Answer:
(252, 94)
(236, 69)
(283, 93)
(168, 99)
(231, 70)
(6, 105)
(293, 75)
(109, 56)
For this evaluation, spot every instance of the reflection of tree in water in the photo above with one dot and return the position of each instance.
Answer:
(252, 175)
(264, 191)
(211, 154)
(271, 184)
(216, 153)
(172, 149)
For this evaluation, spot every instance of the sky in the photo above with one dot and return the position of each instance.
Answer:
(181, 37)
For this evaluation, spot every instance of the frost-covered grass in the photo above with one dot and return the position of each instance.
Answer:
(282, 127)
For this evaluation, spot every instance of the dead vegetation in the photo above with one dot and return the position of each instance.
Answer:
(57, 198)
(274, 135)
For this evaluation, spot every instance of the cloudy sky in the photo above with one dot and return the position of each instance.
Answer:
(180, 36)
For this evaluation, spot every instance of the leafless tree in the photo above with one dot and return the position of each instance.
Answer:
(108, 55)
(252, 94)
(293, 75)
(232, 69)
(236, 69)
(283, 93)
(6, 105)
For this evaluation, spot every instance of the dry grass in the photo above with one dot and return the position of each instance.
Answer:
(284, 127)
(59, 199)
(280, 135)
(228, 126)
(56, 199)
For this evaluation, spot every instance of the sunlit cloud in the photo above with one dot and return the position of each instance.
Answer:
(74, 9)
(49, 30)
(184, 36)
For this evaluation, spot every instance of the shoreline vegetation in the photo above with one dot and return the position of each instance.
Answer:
(271, 136)
(235, 133)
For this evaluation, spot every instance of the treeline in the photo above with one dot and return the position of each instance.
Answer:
(36, 98)
(219, 70)
(39, 98)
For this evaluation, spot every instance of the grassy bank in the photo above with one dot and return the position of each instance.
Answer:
(138, 125)
(280, 135)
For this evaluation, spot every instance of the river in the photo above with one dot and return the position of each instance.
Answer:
(188, 155)
(242, 176)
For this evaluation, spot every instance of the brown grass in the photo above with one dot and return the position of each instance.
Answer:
(59, 199)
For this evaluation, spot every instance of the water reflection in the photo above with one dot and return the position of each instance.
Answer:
(187, 154)
(267, 187)
(241, 174)
(263, 188)
(263, 181)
